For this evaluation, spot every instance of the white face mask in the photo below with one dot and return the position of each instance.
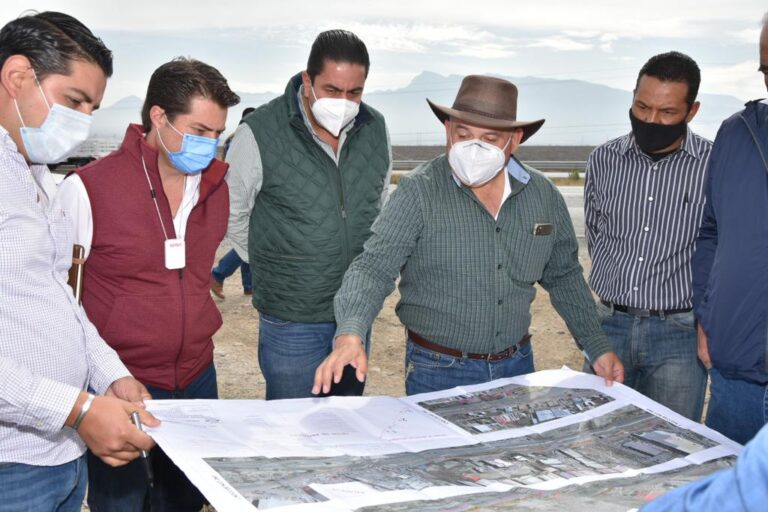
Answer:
(476, 162)
(334, 114)
(63, 130)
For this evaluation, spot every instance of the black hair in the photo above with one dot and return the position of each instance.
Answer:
(339, 46)
(51, 41)
(174, 84)
(246, 111)
(674, 67)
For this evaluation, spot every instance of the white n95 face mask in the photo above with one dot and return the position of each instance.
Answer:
(63, 130)
(334, 114)
(476, 162)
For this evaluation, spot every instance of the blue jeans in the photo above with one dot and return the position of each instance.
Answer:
(659, 357)
(125, 489)
(43, 488)
(227, 266)
(738, 409)
(290, 352)
(426, 370)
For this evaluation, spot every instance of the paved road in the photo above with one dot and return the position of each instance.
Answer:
(574, 199)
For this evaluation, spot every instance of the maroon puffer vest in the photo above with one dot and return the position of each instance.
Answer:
(159, 321)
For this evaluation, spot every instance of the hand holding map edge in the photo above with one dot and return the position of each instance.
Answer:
(609, 367)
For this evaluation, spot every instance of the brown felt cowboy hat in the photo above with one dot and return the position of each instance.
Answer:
(488, 102)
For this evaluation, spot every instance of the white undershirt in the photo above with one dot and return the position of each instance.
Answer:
(73, 199)
(505, 195)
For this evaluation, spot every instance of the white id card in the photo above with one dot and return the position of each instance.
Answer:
(175, 254)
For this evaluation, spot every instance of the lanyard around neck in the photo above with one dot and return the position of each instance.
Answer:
(154, 199)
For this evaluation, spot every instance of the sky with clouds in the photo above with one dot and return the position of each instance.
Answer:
(259, 44)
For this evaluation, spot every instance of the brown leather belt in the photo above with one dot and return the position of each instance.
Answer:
(498, 356)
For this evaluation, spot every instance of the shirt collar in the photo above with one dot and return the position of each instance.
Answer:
(7, 141)
(689, 145)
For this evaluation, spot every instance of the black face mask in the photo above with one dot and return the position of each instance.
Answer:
(652, 137)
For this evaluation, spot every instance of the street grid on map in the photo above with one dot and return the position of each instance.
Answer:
(620, 494)
(513, 406)
(627, 438)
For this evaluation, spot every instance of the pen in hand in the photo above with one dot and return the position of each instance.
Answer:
(144, 455)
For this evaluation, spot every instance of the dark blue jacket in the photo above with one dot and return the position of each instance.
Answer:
(730, 265)
(743, 488)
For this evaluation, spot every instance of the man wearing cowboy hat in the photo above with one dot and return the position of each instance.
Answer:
(469, 233)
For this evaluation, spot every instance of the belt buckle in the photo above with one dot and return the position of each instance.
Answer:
(639, 312)
(504, 354)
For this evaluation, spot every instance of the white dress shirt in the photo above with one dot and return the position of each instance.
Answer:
(49, 350)
(73, 199)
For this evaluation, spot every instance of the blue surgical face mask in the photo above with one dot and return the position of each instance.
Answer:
(63, 130)
(196, 152)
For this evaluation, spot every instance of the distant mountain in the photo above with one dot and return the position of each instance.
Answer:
(577, 112)
(110, 122)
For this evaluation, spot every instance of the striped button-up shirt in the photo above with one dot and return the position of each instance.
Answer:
(49, 351)
(642, 218)
(467, 278)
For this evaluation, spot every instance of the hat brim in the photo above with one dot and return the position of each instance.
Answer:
(444, 113)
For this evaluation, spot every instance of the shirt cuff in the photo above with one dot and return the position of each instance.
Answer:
(595, 346)
(106, 373)
(353, 327)
(50, 405)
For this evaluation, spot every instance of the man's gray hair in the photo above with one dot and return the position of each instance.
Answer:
(765, 19)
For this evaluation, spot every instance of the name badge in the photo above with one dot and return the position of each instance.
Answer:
(175, 254)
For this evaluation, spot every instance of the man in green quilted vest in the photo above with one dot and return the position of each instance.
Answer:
(469, 234)
(308, 175)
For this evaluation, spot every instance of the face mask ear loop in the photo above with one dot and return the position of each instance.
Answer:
(312, 88)
(40, 88)
(171, 125)
(160, 138)
(16, 104)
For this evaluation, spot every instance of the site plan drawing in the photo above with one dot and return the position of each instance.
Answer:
(513, 406)
(548, 437)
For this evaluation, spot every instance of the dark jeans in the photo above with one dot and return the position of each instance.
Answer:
(738, 409)
(26, 488)
(290, 352)
(125, 489)
(227, 266)
(659, 357)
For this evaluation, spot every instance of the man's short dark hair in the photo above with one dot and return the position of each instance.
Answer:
(674, 67)
(339, 46)
(51, 41)
(174, 84)
(246, 111)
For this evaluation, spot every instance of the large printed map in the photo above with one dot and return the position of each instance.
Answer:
(534, 441)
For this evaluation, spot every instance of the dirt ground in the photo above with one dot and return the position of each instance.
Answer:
(236, 344)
